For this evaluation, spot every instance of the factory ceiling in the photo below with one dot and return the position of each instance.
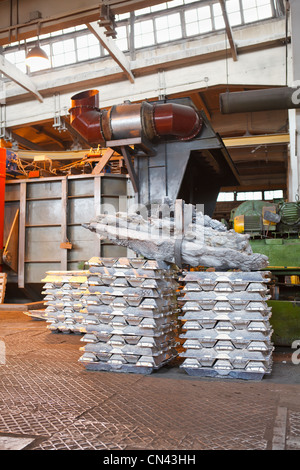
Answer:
(18, 21)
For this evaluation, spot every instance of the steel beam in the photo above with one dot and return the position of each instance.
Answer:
(12, 72)
(255, 140)
(113, 50)
(229, 31)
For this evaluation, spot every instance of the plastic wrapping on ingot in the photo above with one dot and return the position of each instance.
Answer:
(129, 312)
(225, 323)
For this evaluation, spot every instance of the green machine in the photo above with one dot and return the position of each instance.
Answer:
(274, 230)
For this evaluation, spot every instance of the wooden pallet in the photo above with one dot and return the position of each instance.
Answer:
(3, 279)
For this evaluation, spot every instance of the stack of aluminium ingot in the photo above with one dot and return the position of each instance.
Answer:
(130, 315)
(226, 324)
(63, 296)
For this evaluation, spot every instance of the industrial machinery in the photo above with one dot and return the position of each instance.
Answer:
(263, 218)
(170, 152)
(274, 230)
(176, 153)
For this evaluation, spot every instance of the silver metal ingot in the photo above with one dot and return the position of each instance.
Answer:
(124, 307)
(90, 320)
(89, 338)
(101, 309)
(223, 366)
(191, 287)
(135, 312)
(132, 339)
(235, 316)
(191, 306)
(258, 346)
(237, 357)
(223, 287)
(224, 326)
(233, 297)
(154, 304)
(120, 282)
(95, 281)
(238, 340)
(192, 344)
(91, 300)
(220, 306)
(230, 276)
(115, 341)
(259, 306)
(119, 303)
(223, 345)
(254, 366)
(191, 325)
(124, 350)
(88, 357)
(118, 321)
(257, 287)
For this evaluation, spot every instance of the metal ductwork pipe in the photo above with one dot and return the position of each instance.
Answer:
(171, 119)
(131, 120)
(85, 115)
(259, 100)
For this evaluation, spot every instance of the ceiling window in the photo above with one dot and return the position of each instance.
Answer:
(234, 12)
(168, 27)
(198, 20)
(144, 34)
(275, 194)
(88, 47)
(174, 3)
(218, 16)
(255, 10)
(249, 196)
(159, 7)
(63, 52)
(123, 16)
(142, 11)
(153, 25)
(122, 38)
(225, 197)
(17, 58)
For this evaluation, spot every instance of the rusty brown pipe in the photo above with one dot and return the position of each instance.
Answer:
(176, 120)
(127, 120)
(85, 116)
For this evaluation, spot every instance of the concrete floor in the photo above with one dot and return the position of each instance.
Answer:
(48, 401)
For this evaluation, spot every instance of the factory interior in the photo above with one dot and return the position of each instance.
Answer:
(150, 228)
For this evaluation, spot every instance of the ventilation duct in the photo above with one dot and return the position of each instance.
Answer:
(131, 120)
(259, 100)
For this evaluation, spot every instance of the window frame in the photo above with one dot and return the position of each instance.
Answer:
(129, 23)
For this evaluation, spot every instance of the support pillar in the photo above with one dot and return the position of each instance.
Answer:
(2, 199)
(294, 115)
